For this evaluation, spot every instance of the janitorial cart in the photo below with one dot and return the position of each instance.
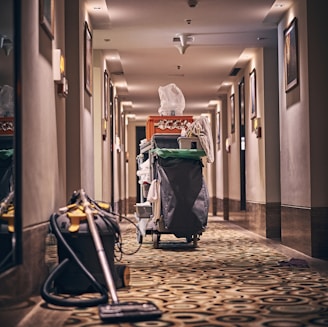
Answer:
(177, 194)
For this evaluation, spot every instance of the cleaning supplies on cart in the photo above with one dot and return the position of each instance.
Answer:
(143, 172)
(172, 100)
(154, 197)
(202, 129)
(143, 215)
(177, 193)
(189, 143)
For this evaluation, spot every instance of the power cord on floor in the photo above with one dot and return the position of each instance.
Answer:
(120, 244)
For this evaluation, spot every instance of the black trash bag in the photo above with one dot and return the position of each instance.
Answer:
(184, 196)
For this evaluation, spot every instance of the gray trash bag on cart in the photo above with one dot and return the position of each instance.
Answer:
(184, 195)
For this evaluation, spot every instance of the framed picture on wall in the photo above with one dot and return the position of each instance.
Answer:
(252, 80)
(46, 13)
(87, 59)
(291, 55)
(232, 108)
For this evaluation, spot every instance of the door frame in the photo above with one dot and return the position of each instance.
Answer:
(242, 128)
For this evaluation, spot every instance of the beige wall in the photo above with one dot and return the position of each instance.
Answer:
(102, 153)
(303, 114)
(294, 120)
(97, 105)
(43, 114)
(262, 154)
(255, 155)
(270, 126)
(58, 133)
(318, 67)
(79, 140)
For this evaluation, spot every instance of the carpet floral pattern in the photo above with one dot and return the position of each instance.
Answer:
(230, 279)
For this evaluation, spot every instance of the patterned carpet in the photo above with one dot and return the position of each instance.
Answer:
(230, 279)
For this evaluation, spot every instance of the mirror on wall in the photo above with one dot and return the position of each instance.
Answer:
(7, 136)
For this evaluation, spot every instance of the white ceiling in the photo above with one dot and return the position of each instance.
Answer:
(137, 38)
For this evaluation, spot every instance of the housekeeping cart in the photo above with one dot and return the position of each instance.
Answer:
(177, 195)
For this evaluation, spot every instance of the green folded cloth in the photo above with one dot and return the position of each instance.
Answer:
(179, 153)
(5, 154)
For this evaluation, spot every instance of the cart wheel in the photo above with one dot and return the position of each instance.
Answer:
(195, 240)
(139, 237)
(189, 239)
(156, 240)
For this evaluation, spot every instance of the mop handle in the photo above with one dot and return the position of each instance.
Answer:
(99, 248)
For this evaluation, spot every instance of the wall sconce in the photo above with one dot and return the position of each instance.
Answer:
(117, 143)
(104, 128)
(258, 132)
(58, 70)
(257, 128)
(62, 87)
(228, 144)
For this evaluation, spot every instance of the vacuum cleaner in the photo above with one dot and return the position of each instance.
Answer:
(115, 311)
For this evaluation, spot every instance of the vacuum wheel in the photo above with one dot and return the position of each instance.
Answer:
(156, 238)
(123, 274)
(139, 237)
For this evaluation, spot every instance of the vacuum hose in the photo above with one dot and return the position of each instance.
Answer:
(45, 290)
